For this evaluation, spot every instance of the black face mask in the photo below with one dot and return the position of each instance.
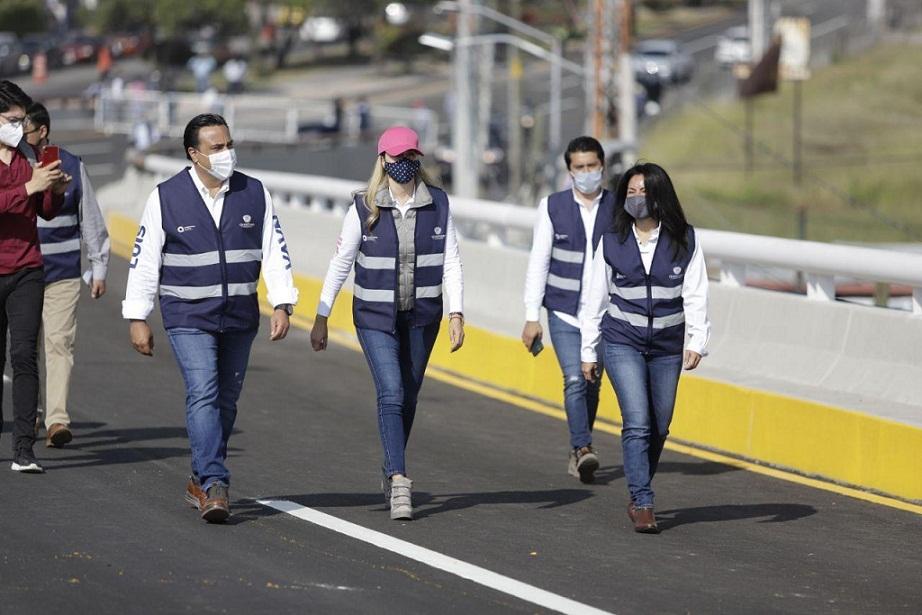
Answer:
(636, 206)
(402, 171)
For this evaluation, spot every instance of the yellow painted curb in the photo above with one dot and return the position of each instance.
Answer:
(731, 423)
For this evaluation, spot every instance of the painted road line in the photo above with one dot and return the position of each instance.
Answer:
(479, 575)
(702, 44)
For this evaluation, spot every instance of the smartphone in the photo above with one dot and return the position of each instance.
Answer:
(536, 346)
(51, 153)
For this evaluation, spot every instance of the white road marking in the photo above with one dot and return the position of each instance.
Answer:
(493, 580)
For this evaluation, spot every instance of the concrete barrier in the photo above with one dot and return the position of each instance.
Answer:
(824, 389)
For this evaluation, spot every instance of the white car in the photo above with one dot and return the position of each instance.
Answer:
(733, 46)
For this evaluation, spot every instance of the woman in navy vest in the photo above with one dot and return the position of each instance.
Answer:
(400, 237)
(648, 294)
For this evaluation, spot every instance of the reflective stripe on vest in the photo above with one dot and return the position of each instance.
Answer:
(568, 252)
(641, 320)
(191, 293)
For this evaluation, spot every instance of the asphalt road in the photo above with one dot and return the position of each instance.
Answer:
(106, 529)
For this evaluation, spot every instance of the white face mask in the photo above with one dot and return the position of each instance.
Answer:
(222, 164)
(11, 135)
(588, 182)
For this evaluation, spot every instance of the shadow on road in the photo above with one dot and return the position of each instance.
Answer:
(609, 474)
(426, 504)
(773, 513)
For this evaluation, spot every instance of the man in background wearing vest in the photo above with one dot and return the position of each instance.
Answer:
(80, 222)
(567, 232)
(26, 191)
(206, 234)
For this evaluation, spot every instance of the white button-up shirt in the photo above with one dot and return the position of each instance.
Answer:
(144, 277)
(694, 298)
(539, 262)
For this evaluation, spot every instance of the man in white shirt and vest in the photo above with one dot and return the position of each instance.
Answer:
(567, 232)
(79, 226)
(205, 236)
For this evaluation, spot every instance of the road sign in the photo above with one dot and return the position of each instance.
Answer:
(795, 47)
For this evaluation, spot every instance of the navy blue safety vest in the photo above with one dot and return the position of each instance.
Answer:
(209, 273)
(60, 236)
(565, 274)
(646, 311)
(374, 305)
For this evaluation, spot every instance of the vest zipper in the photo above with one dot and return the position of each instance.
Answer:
(223, 261)
(649, 314)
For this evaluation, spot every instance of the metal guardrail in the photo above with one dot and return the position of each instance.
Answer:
(505, 225)
(269, 119)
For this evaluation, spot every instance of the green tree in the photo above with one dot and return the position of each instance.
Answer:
(176, 16)
(122, 16)
(23, 16)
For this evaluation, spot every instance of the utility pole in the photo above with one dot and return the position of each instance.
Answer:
(596, 98)
(756, 29)
(464, 168)
(627, 103)
(514, 109)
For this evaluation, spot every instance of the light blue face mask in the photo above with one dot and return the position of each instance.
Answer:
(588, 182)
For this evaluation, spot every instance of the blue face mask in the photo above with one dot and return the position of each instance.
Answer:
(402, 171)
(636, 206)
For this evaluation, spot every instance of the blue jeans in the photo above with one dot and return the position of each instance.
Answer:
(213, 366)
(646, 389)
(398, 363)
(580, 398)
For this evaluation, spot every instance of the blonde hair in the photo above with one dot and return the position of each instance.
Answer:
(377, 180)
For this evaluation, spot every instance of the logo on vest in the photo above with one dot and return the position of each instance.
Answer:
(676, 273)
(620, 276)
(247, 221)
(183, 229)
(438, 234)
(560, 236)
(369, 238)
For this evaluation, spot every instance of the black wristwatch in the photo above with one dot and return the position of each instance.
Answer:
(289, 309)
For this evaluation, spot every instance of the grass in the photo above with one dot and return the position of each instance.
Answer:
(862, 154)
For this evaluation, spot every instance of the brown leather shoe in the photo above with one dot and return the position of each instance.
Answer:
(58, 435)
(194, 494)
(643, 518)
(216, 508)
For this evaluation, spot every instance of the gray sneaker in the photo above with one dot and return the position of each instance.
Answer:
(571, 463)
(587, 462)
(401, 499)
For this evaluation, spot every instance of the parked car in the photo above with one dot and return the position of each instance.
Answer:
(733, 46)
(79, 48)
(662, 59)
(12, 59)
(33, 44)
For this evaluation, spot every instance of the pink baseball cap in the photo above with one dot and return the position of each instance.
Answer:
(397, 140)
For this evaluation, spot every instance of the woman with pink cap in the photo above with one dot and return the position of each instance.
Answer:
(399, 236)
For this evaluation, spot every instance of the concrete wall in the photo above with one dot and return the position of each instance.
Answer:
(827, 389)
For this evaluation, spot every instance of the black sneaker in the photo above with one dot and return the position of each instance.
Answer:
(25, 462)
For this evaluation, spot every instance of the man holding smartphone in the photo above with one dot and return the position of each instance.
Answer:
(80, 224)
(25, 192)
(567, 232)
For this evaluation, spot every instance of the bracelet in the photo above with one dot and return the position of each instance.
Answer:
(458, 315)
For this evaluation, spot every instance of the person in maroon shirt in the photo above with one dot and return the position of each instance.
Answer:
(26, 191)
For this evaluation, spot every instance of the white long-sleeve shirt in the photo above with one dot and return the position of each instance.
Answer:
(347, 248)
(694, 298)
(144, 276)
(539, 261)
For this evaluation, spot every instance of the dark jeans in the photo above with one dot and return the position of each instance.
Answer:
(398, 363)
(580, 398)
(213, 366)
(21, 297)
(646, 389)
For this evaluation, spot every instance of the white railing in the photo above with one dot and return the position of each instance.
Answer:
(253, 117)
(503, 224)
